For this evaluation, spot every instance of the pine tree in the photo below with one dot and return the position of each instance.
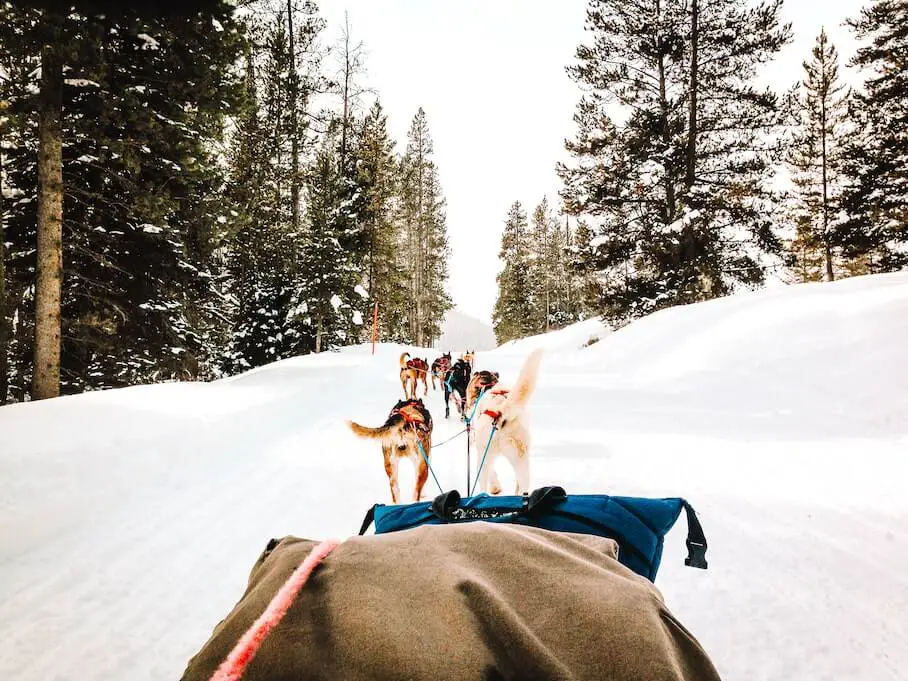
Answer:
(386, 276)
(512, 316)
(18, 61)
(561, 283)
(377, 180)
(143, 100)
(329, 270)
(435, 299)
(876, 194)
(423, 217)
(548, 271)
(678, 181)
(585, 264)
(258, 248)
(541, 271)
(5, 306)
(267, 235)
(815, 158)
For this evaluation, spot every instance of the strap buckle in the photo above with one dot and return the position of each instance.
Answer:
(696, 555)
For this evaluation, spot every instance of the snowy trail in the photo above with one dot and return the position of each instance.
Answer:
(129, 519)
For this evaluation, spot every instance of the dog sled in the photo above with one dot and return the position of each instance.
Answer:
(542, 586)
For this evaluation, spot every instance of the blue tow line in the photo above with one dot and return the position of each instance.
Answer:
(475, 406)
(429, 466)
(488, 444)
(482, 462)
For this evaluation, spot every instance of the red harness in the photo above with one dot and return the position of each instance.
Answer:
(495, 415)
(409, 417)
(418, 366)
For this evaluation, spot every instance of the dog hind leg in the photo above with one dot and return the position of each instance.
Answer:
(422, 472)
(391, 469)
(519, 457)
(521, 466)
(494, 482)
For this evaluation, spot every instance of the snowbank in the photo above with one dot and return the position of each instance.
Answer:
(129, 518)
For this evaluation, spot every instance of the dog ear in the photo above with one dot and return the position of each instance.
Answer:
(495, 374)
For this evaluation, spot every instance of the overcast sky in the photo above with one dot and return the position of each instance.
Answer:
(490, 76)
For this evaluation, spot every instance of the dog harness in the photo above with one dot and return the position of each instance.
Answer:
(417, 365)
(420, 420)
(495, 415)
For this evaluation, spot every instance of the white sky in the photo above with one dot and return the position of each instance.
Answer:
(490, 76)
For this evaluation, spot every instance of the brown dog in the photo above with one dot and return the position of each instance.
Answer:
(411, 371)
(439, 368)
(408, 426)
(480, 382)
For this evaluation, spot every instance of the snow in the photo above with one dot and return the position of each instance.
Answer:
(81, 82)
(361, 292)
(357, 318)
(129, 519)
(599, 241)
(336, 302)
(148, 43)
(684, 221)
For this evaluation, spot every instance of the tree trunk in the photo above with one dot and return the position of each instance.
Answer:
(348, 67)
(692, 121)
(666, 137)
(372, 228)
(46, 377)
(568, 273)
(419, 247)
(4, 316)
(830, 275)
(294, 128)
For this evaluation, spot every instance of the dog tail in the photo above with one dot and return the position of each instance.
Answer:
(403, 359)
(371, 433)
(523, 389)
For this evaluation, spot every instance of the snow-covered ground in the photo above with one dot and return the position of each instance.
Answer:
(129, 519)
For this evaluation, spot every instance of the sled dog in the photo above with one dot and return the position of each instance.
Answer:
(440, 367)
(411, 371)
(490, 406)
(408, 426)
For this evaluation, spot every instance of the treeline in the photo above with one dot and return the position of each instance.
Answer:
(542, 285)
(190, 194)
(677, 147)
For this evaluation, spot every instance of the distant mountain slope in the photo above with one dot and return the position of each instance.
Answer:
(461, 332)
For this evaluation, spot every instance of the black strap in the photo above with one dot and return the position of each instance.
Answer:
(696, 540)
(444, 505)
(545, 496)
(370, 516)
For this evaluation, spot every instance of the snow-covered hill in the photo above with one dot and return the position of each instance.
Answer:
(129, 519)
(463, 331)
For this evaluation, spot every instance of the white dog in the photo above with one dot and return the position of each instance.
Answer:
(504, 410)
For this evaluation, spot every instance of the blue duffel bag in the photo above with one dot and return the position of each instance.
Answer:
(638, 525)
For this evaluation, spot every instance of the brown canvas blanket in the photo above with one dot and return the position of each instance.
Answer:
(465, 602)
